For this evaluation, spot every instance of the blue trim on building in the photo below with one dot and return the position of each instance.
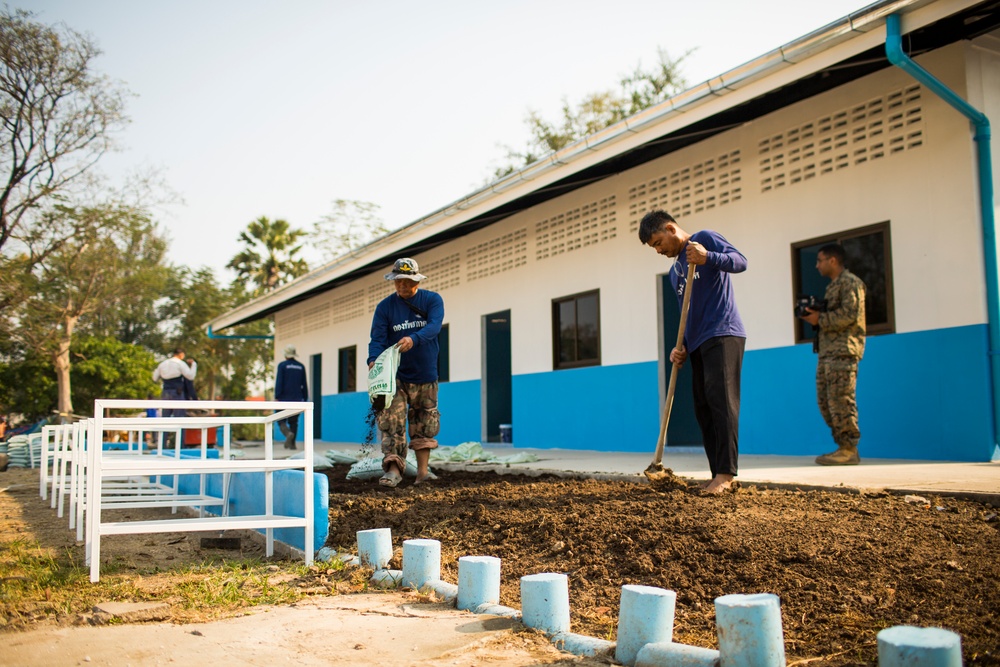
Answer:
(461, 412)
(911, 405)
(344, 414)
(344, 417)
(603, 408)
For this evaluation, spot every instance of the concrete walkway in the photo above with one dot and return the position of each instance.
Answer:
(975, 481)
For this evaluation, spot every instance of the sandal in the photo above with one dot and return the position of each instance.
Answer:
(429, 477)
(390, 479)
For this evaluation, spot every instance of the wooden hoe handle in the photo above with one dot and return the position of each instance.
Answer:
(674, 367)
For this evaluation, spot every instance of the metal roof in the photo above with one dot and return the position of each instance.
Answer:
(841, 51)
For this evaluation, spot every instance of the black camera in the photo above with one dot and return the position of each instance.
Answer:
(804, 302)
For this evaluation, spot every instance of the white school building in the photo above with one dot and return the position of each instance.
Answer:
(558, 322)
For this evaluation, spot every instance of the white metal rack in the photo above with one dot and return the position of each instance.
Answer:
(102, 467)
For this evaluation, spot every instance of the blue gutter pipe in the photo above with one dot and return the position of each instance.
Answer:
(894, 51)
(215, 336)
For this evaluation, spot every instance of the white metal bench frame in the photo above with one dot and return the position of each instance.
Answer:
(103, 466)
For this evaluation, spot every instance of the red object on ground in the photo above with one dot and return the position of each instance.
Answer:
(192, 436)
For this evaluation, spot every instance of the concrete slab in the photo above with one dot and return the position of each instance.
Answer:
(389, 630)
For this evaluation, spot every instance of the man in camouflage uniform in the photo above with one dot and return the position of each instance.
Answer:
(411, 320)
(841, 346)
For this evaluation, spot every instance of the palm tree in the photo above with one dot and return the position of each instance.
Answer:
(268, 259)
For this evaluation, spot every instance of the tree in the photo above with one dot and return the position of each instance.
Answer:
(58, 116)
(82, 276)
(350, 225)
(268, 258)
(637, 91)
(101, 368)
(226, 367)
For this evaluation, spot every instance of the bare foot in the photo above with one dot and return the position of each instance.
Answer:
(429, 477)
(720, 484)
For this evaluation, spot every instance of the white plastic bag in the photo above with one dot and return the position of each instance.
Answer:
(382, 376)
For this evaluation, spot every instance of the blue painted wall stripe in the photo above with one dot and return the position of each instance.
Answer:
(911, 406)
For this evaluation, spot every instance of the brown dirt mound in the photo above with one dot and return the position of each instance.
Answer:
(845, 566)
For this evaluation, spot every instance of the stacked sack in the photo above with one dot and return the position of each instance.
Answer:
(24, 451)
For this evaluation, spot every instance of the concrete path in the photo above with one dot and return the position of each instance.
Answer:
(976, 481)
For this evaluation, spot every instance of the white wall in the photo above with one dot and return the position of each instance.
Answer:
(926, 191)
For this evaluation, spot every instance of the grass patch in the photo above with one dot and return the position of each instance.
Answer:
(40, 585)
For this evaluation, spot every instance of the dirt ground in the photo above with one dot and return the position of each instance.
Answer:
(844, 565)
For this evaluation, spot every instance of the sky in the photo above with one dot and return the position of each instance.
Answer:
(249, 108)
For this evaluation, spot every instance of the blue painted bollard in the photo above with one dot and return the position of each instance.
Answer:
(919, 647)
(646, 617)
(749, 628)
(545, 602)
(375, 547)
(478, 581)
(421, 562)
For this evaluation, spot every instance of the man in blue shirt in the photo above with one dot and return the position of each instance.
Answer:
(714, 338)
(290, 385)
(411, 320)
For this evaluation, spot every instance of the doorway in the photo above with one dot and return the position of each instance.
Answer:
(683, 430)
(316, 392)
(497, 396)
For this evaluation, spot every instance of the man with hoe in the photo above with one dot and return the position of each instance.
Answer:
(714, 339)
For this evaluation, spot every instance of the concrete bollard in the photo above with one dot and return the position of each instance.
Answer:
(646, 617)
(386, 578)
(545, 602)
(447, 592)
(478, 581)
(421, 562)
(375, 547)
(676, 655)
(919, 647)
(749, 628)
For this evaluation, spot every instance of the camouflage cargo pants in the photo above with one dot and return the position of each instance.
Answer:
(416, 404)
(836, 389)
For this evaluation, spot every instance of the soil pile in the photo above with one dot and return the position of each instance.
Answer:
(845, 566)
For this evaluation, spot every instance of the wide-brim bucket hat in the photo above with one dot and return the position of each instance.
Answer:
(405, 268)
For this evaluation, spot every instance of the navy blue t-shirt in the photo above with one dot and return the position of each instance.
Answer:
(712, 311)
(394, 320)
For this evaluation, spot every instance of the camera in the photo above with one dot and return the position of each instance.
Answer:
(804, 302)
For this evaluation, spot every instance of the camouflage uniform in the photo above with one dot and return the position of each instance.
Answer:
(423, 415)
(841, 346)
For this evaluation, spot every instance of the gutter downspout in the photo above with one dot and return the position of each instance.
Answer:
(215, 336)
(894, 51)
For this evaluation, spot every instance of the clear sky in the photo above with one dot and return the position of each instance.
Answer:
(254, 108)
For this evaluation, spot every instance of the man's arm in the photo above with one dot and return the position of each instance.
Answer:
(188, 371)
(279, 379)
(435, 319)
(156, 373)
(716, 252)
(379, 333)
